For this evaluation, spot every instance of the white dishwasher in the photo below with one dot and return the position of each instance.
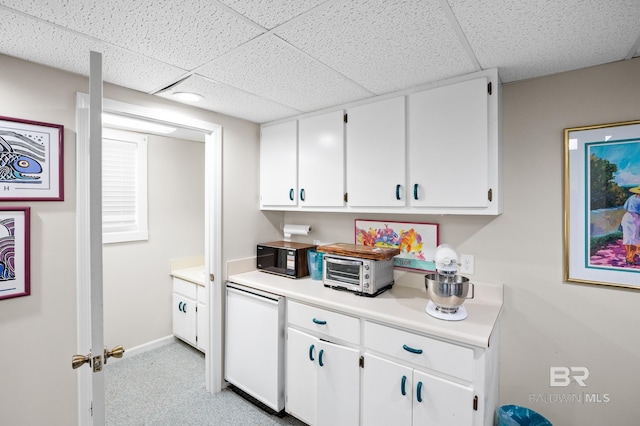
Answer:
(254, 344)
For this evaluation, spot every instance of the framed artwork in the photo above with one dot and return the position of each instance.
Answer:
(602, 204)
(14, 252)
(417, 241)
(31, 160)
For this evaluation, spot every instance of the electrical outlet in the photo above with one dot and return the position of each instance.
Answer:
(466, 264)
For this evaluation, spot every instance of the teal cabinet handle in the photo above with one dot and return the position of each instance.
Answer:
(319, 322)
(291, 194)
(415, 191)
(419, 392)
(302, 194)
(403, 385)
(412, 350)
(320, 358)
(398, 192)
(180, 306)
(311, 353)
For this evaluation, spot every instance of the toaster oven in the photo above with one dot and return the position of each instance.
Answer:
(365, 277)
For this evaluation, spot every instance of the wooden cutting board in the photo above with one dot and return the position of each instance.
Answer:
(366, 252)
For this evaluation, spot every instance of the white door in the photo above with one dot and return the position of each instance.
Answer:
(338, 385)
(302, 377)
(89, 240)
(376, 154)
(387, 392)
(321, 160)
(440, 402)
(449, 145)
(279, 164)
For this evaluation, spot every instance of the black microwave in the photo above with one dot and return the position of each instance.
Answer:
(284, 258)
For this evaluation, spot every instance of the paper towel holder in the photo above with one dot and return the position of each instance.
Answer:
(291, 229)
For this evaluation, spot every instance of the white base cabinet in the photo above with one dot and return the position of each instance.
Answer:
(397, 394)
(323, 377)
(190, 313)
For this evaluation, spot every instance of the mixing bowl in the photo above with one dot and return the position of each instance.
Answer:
(448, 292)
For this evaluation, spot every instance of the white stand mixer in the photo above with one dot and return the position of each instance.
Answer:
(447, 291)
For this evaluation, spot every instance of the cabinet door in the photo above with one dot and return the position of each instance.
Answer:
(441, 402)
(338, 385)
(321, 160)
(279, 165)
(302, 383)
(376, 154)
(202, 329)
(449, 146)
(387, 393)
(184, 318)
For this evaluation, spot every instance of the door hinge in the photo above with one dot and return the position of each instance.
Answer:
(475, 403)
(346, 197)
(346, 118)
(211, 277)
(490, 195)
(490, 88)
(361, 362)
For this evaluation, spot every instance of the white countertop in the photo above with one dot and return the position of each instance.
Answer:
(402, 306)
(194, 274)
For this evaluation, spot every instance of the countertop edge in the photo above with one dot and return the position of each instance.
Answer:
(401, 307)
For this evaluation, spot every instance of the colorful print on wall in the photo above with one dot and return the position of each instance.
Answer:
(14, 252)
(602, 204)
(417, 242)
(31, 160)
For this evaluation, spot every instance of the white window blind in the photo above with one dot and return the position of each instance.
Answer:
(124, 186)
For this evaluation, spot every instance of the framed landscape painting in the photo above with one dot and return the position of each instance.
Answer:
(14, 252)
(602, 204)
(417, 241)
(31, 160)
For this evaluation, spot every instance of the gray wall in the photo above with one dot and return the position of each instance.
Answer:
(38, 332)
(545, 322)
(137, 286)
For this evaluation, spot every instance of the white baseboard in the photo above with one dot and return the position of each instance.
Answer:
(149, 346)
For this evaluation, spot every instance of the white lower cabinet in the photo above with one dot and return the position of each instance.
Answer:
(189, 313)
(323, 380)
(397, 394)
(323, 376)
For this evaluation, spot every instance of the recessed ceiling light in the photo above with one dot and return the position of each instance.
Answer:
(187, 96)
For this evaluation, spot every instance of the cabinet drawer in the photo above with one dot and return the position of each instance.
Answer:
(434, 354)
(185, 288)
(325, 322)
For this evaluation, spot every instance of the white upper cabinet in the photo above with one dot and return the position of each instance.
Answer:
(321, 160)
(435, 150)
(279, 165)
(376, 154)
(449, 146)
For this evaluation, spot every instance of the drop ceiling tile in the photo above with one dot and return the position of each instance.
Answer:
(50, 45)
(271, 68)
(383, 45)
(181, 34)
(228, 100)
(271, 13)
(536, 38)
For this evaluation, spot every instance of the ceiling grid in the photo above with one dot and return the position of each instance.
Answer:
(266, 60)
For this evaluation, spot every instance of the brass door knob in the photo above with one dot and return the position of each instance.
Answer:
(78, 361)
(116, 352)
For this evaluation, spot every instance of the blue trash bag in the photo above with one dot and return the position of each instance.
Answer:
(515, 415)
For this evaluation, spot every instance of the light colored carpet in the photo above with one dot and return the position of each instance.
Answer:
(165, 387)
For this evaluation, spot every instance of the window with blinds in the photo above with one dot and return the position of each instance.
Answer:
(124, 186)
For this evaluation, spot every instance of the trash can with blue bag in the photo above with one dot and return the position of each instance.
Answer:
(515, 415)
